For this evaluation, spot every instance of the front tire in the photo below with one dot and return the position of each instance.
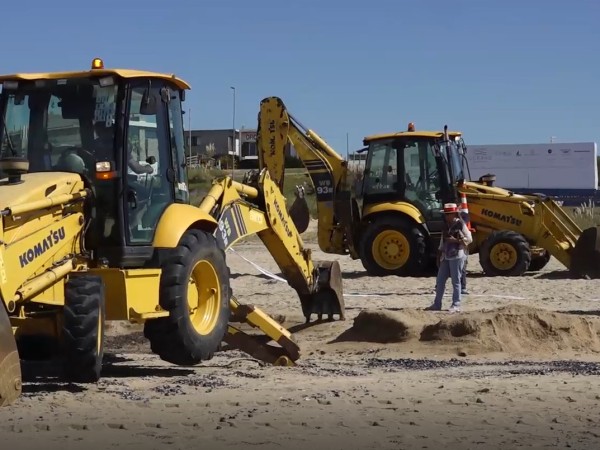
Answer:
(83, 330)
(505, 253)
(194, 288)
(393, 246)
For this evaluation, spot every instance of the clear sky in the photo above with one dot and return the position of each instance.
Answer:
(500, 71)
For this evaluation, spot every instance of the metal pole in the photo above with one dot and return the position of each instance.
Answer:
(190, 132)
(233, 134)
(347, 148)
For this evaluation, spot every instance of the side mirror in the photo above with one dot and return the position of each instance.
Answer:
(148, 104)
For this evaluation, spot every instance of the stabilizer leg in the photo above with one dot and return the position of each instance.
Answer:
(286, 354)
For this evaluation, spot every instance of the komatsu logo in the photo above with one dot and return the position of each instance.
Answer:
(501, 217)
(54, 237)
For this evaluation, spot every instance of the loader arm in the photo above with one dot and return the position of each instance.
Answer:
(336, 208)
(260, 208)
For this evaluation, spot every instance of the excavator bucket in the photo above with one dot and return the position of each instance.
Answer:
(585, 257)
(10, 364)
(299, 211)
(329, 296)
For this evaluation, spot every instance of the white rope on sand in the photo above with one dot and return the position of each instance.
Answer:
(278, 278)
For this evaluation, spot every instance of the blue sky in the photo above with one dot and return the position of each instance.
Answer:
(500, 71)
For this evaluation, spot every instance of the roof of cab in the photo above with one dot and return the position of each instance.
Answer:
(414, 134)
(122, 73)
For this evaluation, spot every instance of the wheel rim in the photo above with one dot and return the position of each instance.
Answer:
(204, 297)
(390, 249)
(503, 256)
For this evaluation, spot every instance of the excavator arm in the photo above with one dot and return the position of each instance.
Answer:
(336, 207)
(258, 206)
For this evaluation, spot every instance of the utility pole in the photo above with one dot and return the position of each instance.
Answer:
(233, 134)
(347, 148)
(190, 132)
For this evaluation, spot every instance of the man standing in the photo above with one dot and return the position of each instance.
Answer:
(451, 254)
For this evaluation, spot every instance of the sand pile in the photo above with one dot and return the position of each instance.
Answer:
(511, 329)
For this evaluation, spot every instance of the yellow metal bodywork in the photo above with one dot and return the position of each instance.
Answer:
(260, 208)
(541, 221)
(42, 226)
(395, 207)
(240, 218)
(176, 219)
(132, 294)
(413, 134)
(122, 73)
(42, 246)
(326, 167)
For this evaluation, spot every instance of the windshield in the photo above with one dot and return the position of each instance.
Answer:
(58, 124)
(454, 156)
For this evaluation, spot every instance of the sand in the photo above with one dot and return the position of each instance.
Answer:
(519, 367)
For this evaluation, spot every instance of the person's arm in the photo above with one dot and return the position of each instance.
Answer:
(139, 168)
(467, 236)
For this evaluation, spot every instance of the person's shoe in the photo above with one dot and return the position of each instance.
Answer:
(454, 309)
(464, 292)
(433, 308)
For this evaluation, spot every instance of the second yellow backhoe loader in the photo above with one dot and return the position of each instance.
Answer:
(390, 218)
(96, 225)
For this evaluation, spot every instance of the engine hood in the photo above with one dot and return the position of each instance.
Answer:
(473, 187)
(38, 186)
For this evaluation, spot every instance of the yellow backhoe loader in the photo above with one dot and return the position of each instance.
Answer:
(97, 225)
(389, 216)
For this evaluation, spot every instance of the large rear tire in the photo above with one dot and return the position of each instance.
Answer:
(194, 288)
(10, 364)
(505, 254)
(393, 246)
(83, 330)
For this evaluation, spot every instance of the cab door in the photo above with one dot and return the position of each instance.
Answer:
(147, 162)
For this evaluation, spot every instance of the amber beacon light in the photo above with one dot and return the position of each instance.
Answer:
(97, 63)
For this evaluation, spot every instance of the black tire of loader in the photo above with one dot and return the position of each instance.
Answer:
(539, 262)
(174, 338)
(417, 261)
(514, 239)
(83, 329)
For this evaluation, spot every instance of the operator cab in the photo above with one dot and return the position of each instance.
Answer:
(122, 130)
(418, 167)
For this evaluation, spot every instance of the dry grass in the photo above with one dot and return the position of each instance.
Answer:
(585, 215)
